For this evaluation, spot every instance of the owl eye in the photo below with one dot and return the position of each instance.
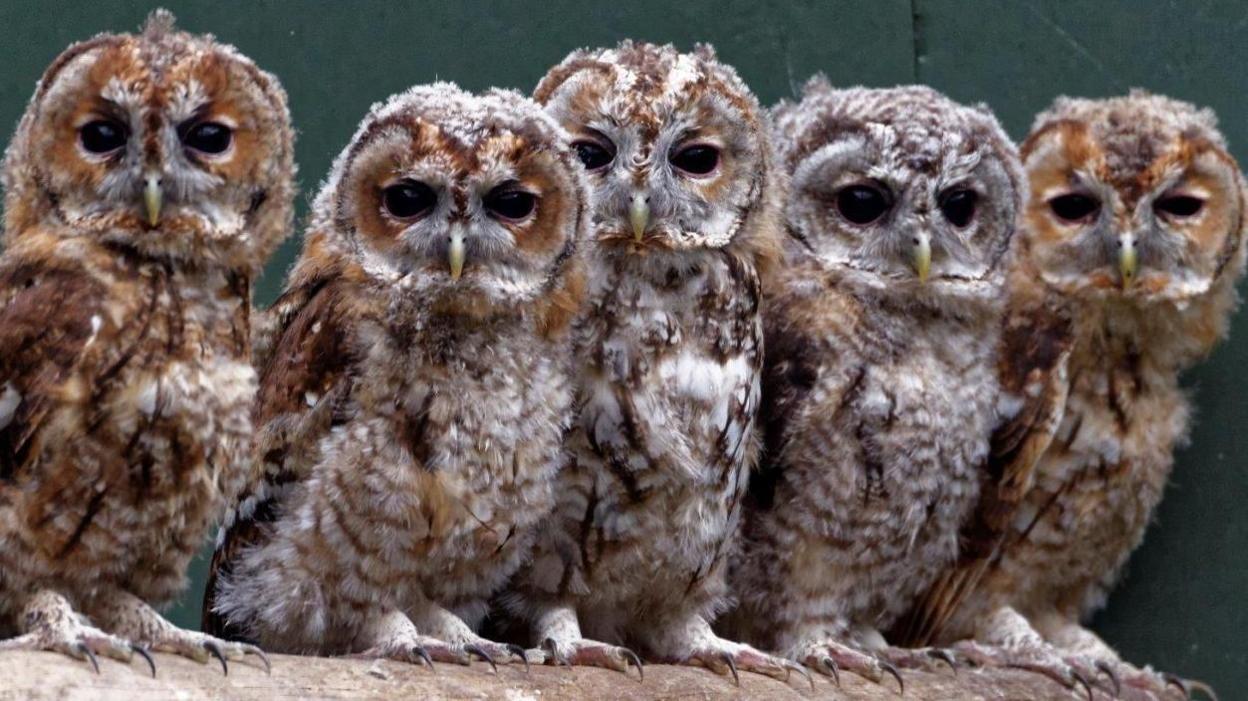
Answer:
(699, 159)
(593, 155)
(862, 204)
(510, 204)
(103, 136)
(1178, 206)
(1074, 208)
(958, 206)
(207, 137)
(408, 199)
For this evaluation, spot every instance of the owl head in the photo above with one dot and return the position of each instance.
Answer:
(1132, 197)
(899, 189)
(166, 143)
(675, 146)
(463, 203)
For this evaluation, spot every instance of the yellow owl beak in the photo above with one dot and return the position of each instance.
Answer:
(639, 215)
(1128, 261)
(922, 255)
(455, 253)
(153, 198)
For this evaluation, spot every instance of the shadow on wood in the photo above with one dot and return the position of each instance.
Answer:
(47, 676)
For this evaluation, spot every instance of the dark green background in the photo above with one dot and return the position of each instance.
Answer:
(1183, 605)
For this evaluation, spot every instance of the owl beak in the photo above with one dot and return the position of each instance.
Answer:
(1128, 261)
(455, 253)
(921, 255)
(153, 198)
(639, 215)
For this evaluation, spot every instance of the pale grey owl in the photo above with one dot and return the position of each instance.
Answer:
(880, 385)
(414, 397)
(670, 354)
(148, 181)
(1125, 275)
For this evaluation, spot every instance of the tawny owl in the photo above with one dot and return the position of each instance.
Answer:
(1124, 275)
(148, 181)
(879, 390)
(669, 355)
(414, 399)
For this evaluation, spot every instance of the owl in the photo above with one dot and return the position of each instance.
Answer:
(1124, 275)
(413, 401)
(669, 351)
(878, 385)
(147, 182)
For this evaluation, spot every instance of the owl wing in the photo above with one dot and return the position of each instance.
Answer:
(305, 377)
(1035, 349)
(47, 317)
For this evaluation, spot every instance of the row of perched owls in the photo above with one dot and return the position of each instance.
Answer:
(633, 365)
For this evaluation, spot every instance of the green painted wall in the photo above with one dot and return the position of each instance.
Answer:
(1184, 604)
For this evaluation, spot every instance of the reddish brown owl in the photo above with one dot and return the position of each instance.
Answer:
(148, 181)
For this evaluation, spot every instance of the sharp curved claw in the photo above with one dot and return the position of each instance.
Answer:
(1083, 681)
(215, 650)
(253, 650)
(1187, 686)
(474, 649)
(519, 652)
(634, 660)
(423, 654)
(732, 667)
(85, 651)
(944, 656)
(549, 645)
(830, 664)
(1176, 682)
(888, 667)
(800, 669)
(142, 652)
(1105, 668)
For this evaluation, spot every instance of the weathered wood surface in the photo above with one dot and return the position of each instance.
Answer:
(47, 676)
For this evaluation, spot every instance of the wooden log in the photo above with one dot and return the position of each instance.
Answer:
(40, 676)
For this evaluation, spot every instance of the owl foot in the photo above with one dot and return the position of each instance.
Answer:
(830, 658)
(52, 624)
(131, 617)
(726, 657)
(576, 653)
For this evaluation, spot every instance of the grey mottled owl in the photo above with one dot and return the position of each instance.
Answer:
(879, 388)
(148, 180)
(670, 354)
(415, 394)
(1125, 275)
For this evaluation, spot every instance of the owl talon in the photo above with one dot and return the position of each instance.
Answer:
(1105, 668)
(147, 656)
(634, 660)
(1187, 686)
(560, 660)
(1078, 678)
(732, 667)
(891, 669)
(215, 650)
(829, 664)
(519, 652)
(84, 650)
(944, 656)
(473, 649)
(254, 650)
(423, 654)
(800, 669)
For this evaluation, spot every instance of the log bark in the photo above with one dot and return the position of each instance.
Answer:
(40, 676)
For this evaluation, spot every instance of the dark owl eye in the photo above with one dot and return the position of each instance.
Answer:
(510, 204)
(408, 199)
(698, 159)
(103, 136)
(1074, 207)
(1178, 206)
(862, 204)
(593, 155)
(958, 206)
(207, 137)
